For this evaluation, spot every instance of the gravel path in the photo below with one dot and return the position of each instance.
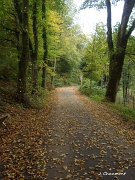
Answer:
(77, 139)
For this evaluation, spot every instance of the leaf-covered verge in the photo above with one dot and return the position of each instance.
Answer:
(21, 133)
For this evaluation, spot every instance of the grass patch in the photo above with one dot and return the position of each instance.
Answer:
(127, 113)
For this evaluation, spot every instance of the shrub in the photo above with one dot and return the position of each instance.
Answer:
(95, 92)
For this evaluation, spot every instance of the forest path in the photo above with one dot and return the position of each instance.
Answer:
(78, 139)
(88, 141)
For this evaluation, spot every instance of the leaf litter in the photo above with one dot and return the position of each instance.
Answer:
(74, 138)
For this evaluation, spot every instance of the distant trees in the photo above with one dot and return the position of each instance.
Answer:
(95, 57)
(128, 73)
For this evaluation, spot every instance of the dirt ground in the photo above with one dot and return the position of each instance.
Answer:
(75, 138)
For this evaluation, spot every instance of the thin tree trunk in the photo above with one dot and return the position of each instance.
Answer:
(21, 86)
(44, 74)
(35, 53)
(52, 78)
(19, 27)
(124, 98)
(45, 46)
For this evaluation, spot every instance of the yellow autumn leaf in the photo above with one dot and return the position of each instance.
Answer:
(65, 168)
(68, 176)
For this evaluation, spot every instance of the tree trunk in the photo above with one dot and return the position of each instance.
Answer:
(23, 63)
(18, 28)
(35, 53)
(52, 78)
(126, 80)
(45, 46)
(124, 88)
(117, 57)
(114, 76)
(44, 73)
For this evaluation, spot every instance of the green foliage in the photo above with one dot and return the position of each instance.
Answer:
(66, 43)
(63, 66)
(95, 92)
(95, 60)
(8, 51)
(59, 82)
(127, 112)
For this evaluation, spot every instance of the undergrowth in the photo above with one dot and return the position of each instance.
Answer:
(95, 92)
(127, 113)
(38, 99)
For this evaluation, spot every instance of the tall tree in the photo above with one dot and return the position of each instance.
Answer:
(117, 56)
(117, 53)
(23, 63)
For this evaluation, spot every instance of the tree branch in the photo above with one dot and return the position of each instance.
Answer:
(18, 10)
(9, 40)
(130, 54)
(12, 30)
(122, 37)
(131, 29)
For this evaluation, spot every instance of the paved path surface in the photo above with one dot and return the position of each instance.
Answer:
(83, 147)
(77, 140)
